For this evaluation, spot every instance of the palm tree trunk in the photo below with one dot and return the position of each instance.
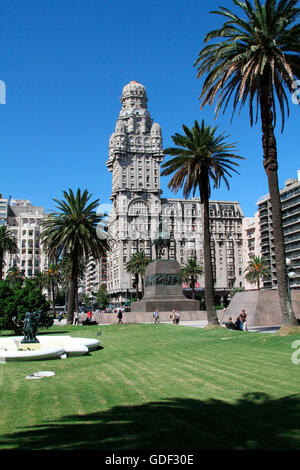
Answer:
(271, 166)
(72, 288)
(1, 264)
(71, 299)
(193, 288)
(76, 300)
(137, 286)
(53, 297)
(208, 268)
(143, 287)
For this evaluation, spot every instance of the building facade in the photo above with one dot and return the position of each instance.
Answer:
(3, 210)
(95, 275)
(290, 204)
(251, 244)
(24, 220)
(139, 212)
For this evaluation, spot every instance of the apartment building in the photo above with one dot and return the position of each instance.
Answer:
(251, 244)
(24, 220)
(290, 203)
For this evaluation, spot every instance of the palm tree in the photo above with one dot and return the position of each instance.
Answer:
(201, 157)
(255, 60)
(190, 271)
(7, 245)
(257, 269)
(39, 280)
(72, 230)
(15, 275)
(137, 266)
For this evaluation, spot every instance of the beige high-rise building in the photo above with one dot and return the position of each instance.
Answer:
(24, 220)
(95, 275)
(251, 244)
(290, 204)
(139, 212)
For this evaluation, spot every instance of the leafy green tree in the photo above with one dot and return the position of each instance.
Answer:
(257, 269)
(201, 158)
(72, 230)
(102, 297)
(255, 59)
(190, 271)
(65, 269)
(85, 300)
(137, 266)
(7, 245)
(51, 280)
(39, 280)
(16, 300)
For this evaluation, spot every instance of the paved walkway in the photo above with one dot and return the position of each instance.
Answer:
(199, 324)
(202, 324)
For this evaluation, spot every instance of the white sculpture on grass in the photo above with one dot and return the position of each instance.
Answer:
(49, 347)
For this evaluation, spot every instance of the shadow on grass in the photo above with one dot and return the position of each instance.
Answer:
(55, 332)
(255, 421)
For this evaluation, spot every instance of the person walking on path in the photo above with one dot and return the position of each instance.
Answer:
(156, 316)
(120, 315)
(177, 317)
(90, 315)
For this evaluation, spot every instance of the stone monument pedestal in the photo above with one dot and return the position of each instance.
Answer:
(163, 289)
(28, 346)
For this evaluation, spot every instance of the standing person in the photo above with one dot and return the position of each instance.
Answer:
(76, 318)
(156, 316)
(172, 316)
(243, 317)
(177, 317)
(120, 315)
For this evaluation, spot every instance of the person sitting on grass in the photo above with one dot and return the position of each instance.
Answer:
(229, 324)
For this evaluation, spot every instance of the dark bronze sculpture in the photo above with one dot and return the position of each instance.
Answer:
(161, 242)
(30, 327)
(163, 279)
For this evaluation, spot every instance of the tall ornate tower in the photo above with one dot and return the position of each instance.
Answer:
(135, 154)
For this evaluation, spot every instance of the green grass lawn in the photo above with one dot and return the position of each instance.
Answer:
(156, 387)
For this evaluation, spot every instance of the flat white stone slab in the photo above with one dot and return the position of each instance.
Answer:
(40, 375)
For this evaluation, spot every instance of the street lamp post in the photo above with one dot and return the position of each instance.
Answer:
(290, 275)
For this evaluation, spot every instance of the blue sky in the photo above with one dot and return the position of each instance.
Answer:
(65, 63)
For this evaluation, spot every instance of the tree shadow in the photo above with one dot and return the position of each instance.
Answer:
(255, 422)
